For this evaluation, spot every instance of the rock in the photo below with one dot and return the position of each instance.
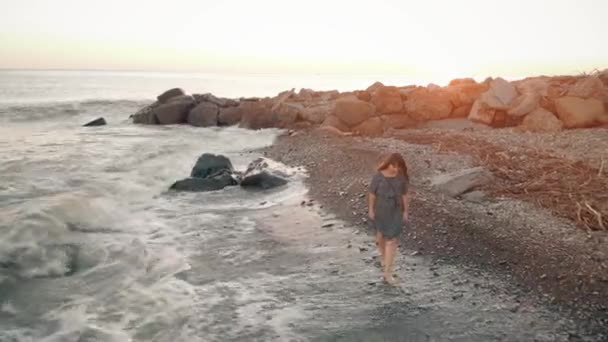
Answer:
(288, 114)
(500, 95)
(371, 89)
(96, 122)
(464, 94)
(462, 111)
(258, 114)
(218, 101)
(387, 100)
(524, 105)
(371, 127)
(329, 95)
(229, 116)
(333, 121)
(588, 87)
(461, 81)
(475, 196)
(353, 111)
(175, 111)
(533, 86)
(457, 183)
(541, 120)
(453, 124)
(363, 95)
(146, 115)
(212, 183)
(576, 112)
(261, 174)
(398, 121)
(204, 115)
(424, 105)
(317, 112)
(164, 97)
(282, 97)
(210, 164)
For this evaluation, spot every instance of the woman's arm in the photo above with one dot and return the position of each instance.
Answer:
(371, 205)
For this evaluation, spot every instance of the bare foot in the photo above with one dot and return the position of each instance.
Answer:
(390, 280)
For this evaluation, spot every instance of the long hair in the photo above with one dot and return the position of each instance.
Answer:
(396, 160)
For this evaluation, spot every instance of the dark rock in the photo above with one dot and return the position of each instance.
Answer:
(229, 116)
(213, 183)
(259, 174)
(204, 115)
(146, 115)
(171, 93)
(218, 101)
(210, 164)
(96, 122)
(175, 111)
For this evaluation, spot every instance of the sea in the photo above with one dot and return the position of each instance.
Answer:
(93, 246)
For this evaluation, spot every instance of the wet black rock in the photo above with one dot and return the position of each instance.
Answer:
(210, 164)
(261, 175)
(96, 122)
(213, 183)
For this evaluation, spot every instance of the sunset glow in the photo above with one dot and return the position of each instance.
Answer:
(434, 40)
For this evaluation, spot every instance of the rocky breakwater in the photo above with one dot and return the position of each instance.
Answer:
(537, 104)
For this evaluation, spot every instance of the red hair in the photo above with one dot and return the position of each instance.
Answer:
(396, 160)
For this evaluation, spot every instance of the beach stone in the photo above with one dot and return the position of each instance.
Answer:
(229, 116)
(258, 114)
(387, 100)
(261, 175)
(500, 95)
(210, 164)
(353, 111)
(204, 115)
(425, 105)
(96, 122)
(466, 93)
(370, 127)
(317, 112)
(541, 120)
(576, 112)
(175, 111)
(164, 97)
(524, 105)
(213, 183)
(457, 183)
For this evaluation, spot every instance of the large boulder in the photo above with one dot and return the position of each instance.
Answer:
(398, 121)
(317, 112)
(481, 112)
(288, 114)
(96, 122)
(372, 88)
(541, 120)
(576, 112)
(262, 173)
(425, 105)
(210, 164)
(229, 116)
(491, 108)
(353, 111)
(462, 81)
(174, 111)
(146, 115)
(500, 95)
(524, 105)
(282, 97)
(258, 114)
(169, 94)
(462, 111)
(460, 182)
(533, 86)
(465, 93)
(212, 183)
(387, 100)
(588, 87)
(371, 127)
(218, 101)
(333, 121)
(204, 115)
(363, 95)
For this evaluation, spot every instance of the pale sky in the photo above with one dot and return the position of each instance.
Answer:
(421, 38)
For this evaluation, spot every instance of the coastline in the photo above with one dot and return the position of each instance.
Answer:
(544, 255)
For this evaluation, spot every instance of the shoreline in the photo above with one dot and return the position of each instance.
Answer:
(544, 255)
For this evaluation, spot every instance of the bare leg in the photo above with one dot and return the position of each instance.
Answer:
(389, 257)
(380, 242)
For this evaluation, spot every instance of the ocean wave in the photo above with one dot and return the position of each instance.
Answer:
(67, 110)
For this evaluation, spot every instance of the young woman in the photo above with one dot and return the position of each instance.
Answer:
(388, 209)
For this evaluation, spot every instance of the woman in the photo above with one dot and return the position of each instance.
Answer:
(388, 209)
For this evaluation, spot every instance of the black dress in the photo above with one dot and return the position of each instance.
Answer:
(389, 192)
